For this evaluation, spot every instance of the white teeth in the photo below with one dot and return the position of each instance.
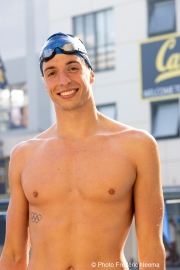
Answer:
(67, 93)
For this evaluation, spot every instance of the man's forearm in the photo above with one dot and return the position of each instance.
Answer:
(8, 264)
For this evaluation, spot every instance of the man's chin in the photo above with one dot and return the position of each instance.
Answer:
(68, 107)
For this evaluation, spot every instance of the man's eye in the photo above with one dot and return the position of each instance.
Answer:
(73, 68)
(51, 74)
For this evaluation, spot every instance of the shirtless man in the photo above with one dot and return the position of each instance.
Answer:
(75, 187)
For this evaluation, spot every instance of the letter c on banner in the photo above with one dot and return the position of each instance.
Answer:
(171, 68)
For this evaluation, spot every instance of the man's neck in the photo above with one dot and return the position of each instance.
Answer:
(77, 123)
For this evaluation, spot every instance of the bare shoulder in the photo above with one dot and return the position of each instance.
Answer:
(133, 135)
(25, 147)
(139, 137)
(21, 150)
(141, 147)
(137, 144)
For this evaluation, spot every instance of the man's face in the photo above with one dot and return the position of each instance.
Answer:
(68, 81)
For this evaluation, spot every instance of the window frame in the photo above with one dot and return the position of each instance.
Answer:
(106, 105)
(9, 121)
(150, 4)
(154, 106)
(94, 14)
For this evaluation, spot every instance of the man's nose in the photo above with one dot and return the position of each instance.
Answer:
(64, 79)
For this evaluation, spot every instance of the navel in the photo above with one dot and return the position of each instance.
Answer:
(35, 194)
(111, 191)
(70, 268)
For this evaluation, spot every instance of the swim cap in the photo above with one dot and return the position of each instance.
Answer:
(61, 43)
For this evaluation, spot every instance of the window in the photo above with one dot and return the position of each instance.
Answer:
(13, 107)
(162, 17)
(1, 148)
(165, 119)
(96, 30)
(2, 229)
(108, 110)
(172, 237)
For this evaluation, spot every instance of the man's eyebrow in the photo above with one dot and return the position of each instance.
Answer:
(72, 62)
(52, 67)
(68, 63)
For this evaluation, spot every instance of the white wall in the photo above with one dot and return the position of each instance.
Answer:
(23, 30)
(13, 27)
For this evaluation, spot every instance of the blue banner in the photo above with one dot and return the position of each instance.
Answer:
(166, 225)
(3, 81)
(160, 67)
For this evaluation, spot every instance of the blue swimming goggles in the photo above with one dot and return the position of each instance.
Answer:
(66, 49)
(61, 43)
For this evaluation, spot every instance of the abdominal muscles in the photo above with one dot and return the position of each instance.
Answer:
(79, 231)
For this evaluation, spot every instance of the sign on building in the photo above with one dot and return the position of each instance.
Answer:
(3, 81)
(160, 67)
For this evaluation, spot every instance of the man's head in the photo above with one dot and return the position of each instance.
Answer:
(61, 43)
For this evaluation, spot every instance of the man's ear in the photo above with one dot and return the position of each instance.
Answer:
(92, 77)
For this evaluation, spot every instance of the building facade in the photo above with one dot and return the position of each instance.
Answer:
(115, 33)
(25, 108)
(134, 49)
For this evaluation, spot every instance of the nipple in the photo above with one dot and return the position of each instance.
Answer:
(35, 194)
(111, 191)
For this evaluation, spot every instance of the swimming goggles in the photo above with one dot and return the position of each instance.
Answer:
(48, 54)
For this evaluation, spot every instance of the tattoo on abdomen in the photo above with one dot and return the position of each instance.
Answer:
(35, 217)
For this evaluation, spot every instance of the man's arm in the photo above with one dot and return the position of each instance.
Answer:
(148, 200)
(15, 251)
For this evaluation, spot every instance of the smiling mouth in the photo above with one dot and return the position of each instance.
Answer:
(68, 93)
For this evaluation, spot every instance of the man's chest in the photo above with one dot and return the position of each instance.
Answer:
(99, 172)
